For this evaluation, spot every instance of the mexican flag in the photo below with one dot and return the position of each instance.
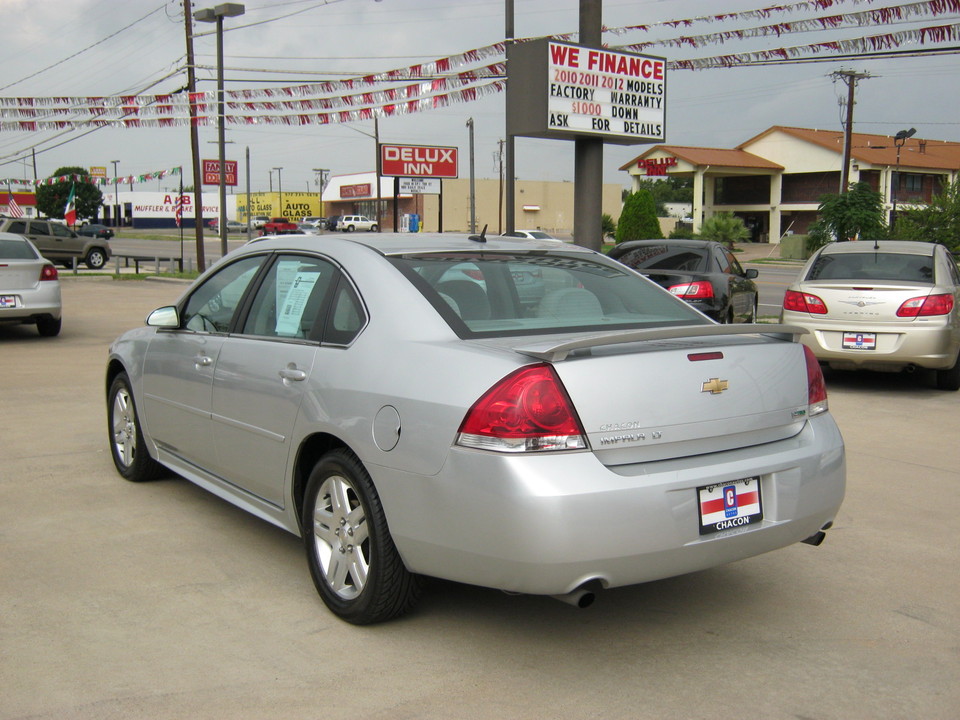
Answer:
(70, 212)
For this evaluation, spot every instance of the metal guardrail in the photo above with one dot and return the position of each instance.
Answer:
(145, 258)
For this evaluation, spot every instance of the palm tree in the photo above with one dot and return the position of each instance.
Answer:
(725, 228)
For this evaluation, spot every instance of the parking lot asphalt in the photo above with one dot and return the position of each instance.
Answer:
(159, 600)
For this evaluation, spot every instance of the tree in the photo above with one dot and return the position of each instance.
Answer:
(938, 222)
(667, 190)
(52, 199)
(853, 215)
(608, 227)
(638, 219)
(726, 228)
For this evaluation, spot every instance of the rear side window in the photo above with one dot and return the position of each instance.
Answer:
(39, 228)
(502, 294)
(876, 265)
(291, 299)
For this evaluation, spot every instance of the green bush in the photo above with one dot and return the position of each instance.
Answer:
(638, 219)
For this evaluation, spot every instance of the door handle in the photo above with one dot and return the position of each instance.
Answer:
(201, 361)
(291, 373)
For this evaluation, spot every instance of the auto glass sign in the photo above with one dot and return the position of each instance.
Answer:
(558, 90)
(418, 161)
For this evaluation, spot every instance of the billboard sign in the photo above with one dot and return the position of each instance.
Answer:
(418, 161)
(561, 91)
(211, 172)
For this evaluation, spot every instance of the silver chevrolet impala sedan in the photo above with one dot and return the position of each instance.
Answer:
(515, 414)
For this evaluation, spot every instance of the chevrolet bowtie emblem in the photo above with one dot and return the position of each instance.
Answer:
(714, 386)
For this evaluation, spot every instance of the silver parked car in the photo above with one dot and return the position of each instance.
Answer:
(29, 286)
(887, 305)
(394, 401)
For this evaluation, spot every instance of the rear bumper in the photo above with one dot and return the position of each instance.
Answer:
(549, 523)
(927, 344)
(35, 304)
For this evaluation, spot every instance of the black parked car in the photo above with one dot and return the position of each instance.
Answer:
(332, 222)
(702, 272)
(94, 230)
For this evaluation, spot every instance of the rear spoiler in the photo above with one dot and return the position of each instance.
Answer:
(557, 351)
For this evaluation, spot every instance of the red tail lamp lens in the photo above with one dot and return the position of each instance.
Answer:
(48, 272)
(530, 402)
(804, 302)
(926, 306)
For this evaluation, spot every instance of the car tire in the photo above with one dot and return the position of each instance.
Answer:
(96, 258)
(949, 379)
(48, 327)
(354, 564)
(374, 228)
(127, 446)
(350, 228)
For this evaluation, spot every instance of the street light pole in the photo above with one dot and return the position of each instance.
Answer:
(217, 14)
(899, 139)
(473, 193)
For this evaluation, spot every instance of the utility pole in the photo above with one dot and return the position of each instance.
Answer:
(194, 139)
(511, 168)
(850, 78)
(500, 209)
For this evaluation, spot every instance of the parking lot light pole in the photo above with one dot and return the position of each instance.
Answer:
(899, 139)
(217, 14)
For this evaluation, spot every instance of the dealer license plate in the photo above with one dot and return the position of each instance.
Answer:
(859, 341)
(729, 505)
(8, 301)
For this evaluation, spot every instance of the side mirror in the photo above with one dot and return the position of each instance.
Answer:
(752, 273)
(165, 317)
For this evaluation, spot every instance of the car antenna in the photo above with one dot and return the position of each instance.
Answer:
(482, 237)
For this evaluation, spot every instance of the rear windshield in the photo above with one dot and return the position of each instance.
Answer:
(662, 257)
(873, 266)
(502, 294)
(16, 250)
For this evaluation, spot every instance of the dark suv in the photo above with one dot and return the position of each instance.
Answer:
(58, 243)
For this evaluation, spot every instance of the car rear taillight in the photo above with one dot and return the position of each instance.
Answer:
(926, 306)
(528, 410)
(48, 272)
(816, 387)
(803, 302)
(693, 290)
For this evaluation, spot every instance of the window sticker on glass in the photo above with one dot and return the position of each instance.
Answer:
(299, 289)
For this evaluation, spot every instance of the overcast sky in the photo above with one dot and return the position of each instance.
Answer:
(118, 47)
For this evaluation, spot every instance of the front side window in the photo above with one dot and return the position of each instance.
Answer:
(211, 306)
(502, 294)
(61, 230)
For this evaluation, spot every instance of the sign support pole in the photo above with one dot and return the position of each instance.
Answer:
(588, 152)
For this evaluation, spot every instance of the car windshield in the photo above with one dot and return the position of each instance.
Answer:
(503, 294)
(875, 265)
(665, 257)
(16, 250)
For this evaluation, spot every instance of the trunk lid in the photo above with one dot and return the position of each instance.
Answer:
(683, 391)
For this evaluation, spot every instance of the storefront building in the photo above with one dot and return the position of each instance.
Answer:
(540, 204)
(774, 181)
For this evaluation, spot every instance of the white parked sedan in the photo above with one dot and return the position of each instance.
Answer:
(395, 401)
(888, 306)
(29, 286)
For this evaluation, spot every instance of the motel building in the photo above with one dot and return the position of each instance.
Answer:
(774, 180)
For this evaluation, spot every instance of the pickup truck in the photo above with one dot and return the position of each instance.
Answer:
(279, 226)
